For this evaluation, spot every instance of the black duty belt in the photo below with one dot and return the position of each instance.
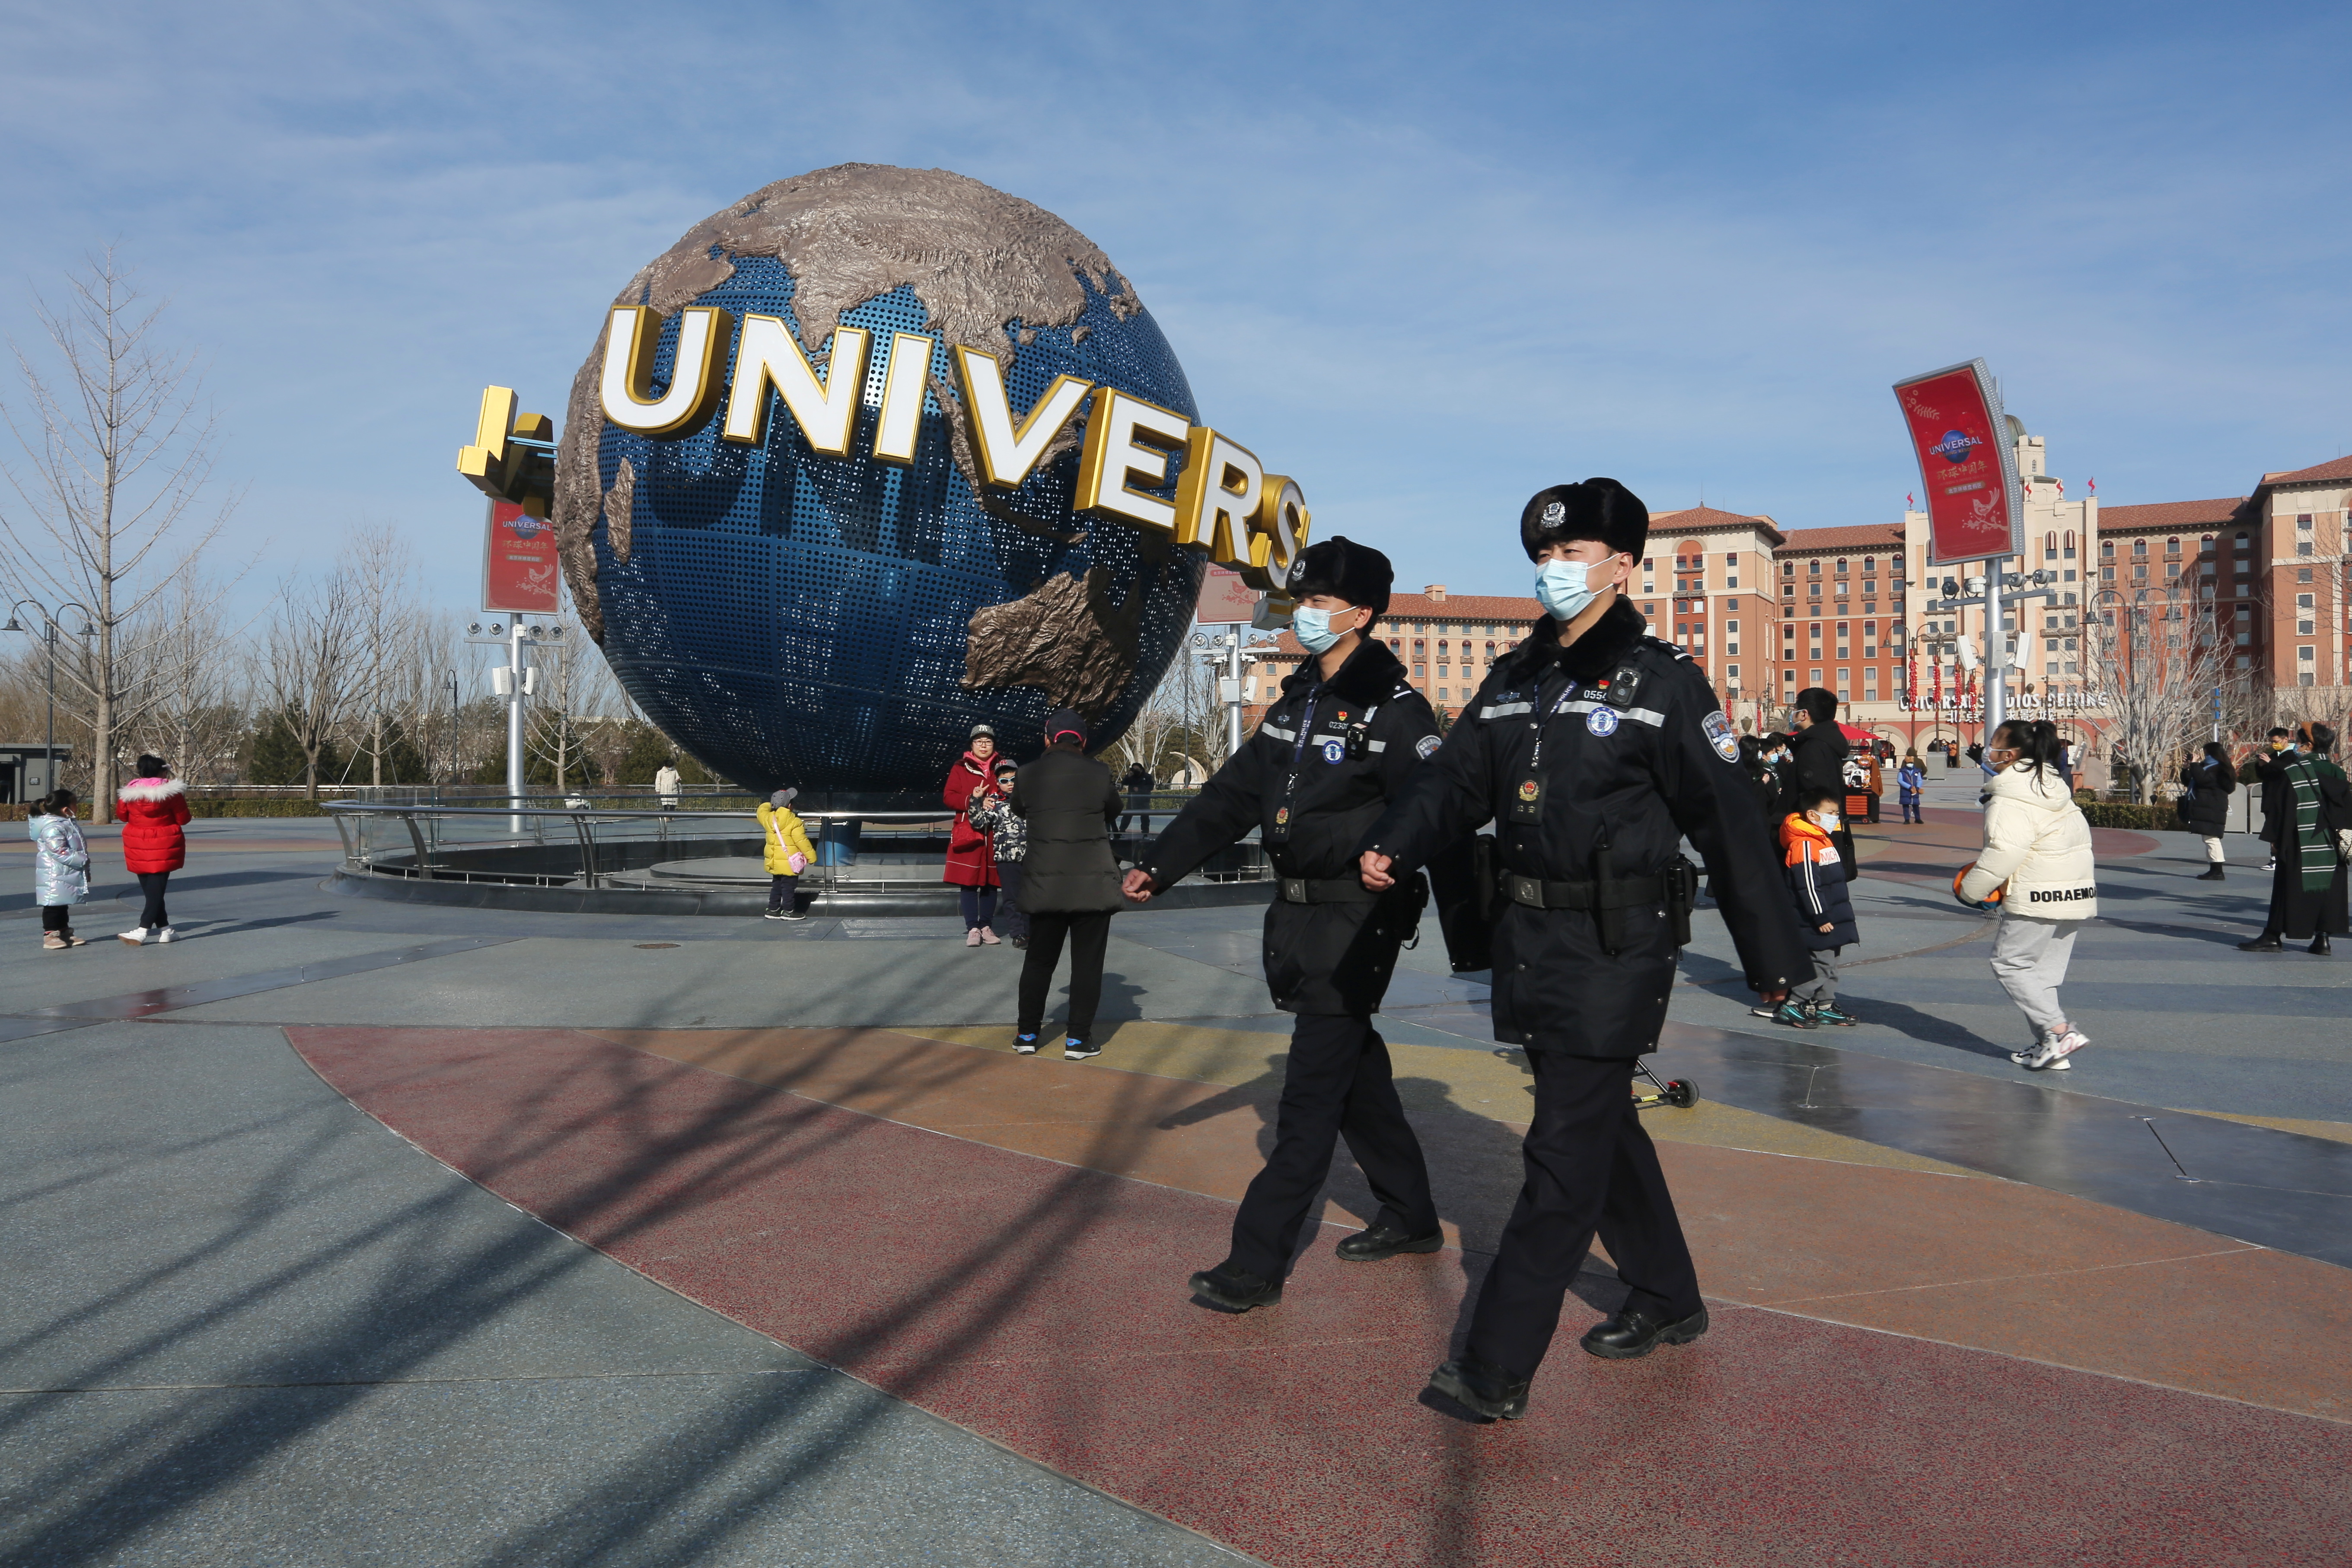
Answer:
(1326, 890)
(1624, 893)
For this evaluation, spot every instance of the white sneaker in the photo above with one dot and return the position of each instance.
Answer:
(135, 938)
(2070, 1041)
(2045, 1053)
(165, 933)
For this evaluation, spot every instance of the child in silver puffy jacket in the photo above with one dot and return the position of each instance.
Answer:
(60, 867)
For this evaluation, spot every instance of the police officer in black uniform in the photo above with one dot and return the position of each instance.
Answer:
(1594, 749)
(1325, 762)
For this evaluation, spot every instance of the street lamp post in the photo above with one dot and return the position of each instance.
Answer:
(48, 634)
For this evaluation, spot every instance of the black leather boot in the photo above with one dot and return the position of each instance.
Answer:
(1488, 1390)
(1235, 1289)
(2319, 945)
(2213, 874)
(1633, 1333)
(1384, 1241)
(2267, 942)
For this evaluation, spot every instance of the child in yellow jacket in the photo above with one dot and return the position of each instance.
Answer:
(788, 854)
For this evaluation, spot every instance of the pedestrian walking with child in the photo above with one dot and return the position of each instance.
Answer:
(972, 863)
(60, 867)
(2036, 868)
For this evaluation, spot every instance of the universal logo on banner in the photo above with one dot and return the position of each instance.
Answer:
(1968, 467)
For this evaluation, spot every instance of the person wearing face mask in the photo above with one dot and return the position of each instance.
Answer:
(1594, 749)
(1347, 734)
(1818, 751)
(1816, 876)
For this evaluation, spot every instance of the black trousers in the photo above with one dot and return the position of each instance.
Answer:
(1337, 1084)
(56, 917)
(151, 884)
(1590, 1167)
(783, 890)
(1089, 934)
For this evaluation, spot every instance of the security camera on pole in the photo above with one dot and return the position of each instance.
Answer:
(512, 461)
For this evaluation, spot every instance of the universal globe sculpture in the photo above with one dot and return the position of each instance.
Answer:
(841, 622)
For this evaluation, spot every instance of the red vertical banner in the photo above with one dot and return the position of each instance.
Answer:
(1976, 510)
(519, 576)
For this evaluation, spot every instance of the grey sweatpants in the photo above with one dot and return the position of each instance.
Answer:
(1822, 986)
(2030, 958)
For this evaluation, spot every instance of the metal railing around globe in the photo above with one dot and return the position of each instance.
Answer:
(558, 841)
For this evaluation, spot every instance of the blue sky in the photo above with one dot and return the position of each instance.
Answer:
(1425, 259)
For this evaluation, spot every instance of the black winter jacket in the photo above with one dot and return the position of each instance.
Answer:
(1070, 803)
(1296, 782)
(1817, 755)
(1634, 751)
(1818, 888)
(2205, 798)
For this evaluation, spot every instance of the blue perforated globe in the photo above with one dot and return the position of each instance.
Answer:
(840, 623)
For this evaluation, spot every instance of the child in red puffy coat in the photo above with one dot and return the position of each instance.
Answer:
(153, 807)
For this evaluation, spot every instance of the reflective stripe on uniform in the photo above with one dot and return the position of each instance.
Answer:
(1278, 733)
(1650, 716)
(1505, 710)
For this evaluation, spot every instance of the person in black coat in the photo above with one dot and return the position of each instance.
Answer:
(1138, 783)
(2308, 883)
(1817, 752)
(2204, 803)
(1347, 734)
(2276, 795)
(1594, 749)
(1069, 882)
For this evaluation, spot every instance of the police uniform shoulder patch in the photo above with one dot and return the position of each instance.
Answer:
(1427, 745)
(1718, 729)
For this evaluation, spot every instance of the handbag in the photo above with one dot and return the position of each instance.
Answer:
(793, 858)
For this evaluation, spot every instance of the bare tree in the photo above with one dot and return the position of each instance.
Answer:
(309, 675)
(2157, 657)
(379, 607)
(190, 693)
(117, 451)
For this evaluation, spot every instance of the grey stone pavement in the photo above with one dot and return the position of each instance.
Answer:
(243, 1322)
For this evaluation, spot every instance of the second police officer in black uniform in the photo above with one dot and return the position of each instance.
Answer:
(1328, 758)
(1594, 749)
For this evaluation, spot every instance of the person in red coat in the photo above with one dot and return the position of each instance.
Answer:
(971, 858)
(154, 809)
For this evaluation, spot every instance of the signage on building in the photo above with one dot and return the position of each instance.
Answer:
(1226, 599)
(1976, 508)
(520, 575)
(1953, 705)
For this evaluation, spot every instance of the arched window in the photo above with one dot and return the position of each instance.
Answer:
(2172, 547)
(1814, 566)
(1788, 568)
(2108, 549)
(1840, 567)
(2139, 547)
(2070, 541)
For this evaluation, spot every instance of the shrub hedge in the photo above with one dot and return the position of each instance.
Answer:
(2122, 814)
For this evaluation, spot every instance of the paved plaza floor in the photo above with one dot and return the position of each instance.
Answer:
(352, 1231)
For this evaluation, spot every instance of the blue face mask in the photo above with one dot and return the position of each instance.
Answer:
(1561, 588)
(1313, 628)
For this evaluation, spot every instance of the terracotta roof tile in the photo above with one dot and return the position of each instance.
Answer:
(2341, 468)
(2170, 515)
(1862, 536)
(1698, 517)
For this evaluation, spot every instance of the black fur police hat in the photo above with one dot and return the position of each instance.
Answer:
(1597, 509)
(1344, 570)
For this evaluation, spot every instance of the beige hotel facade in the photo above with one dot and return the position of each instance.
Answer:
(1766, 611)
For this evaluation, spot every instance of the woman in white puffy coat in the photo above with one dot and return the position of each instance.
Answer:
(2037, 855)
